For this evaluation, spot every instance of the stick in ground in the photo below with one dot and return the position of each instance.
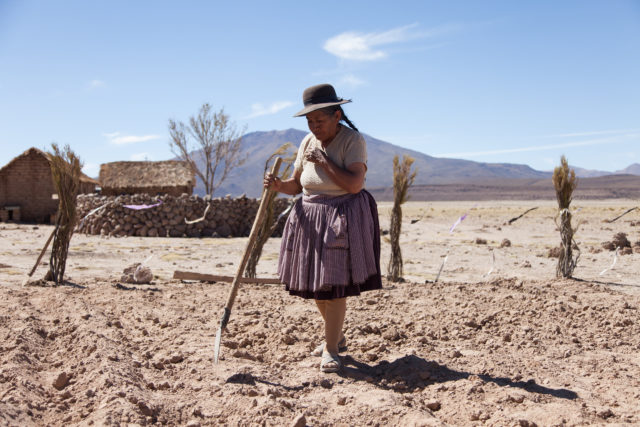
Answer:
(257, 223)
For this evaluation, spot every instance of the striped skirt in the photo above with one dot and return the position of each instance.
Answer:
(331, 247)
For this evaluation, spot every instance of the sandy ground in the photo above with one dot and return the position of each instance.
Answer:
(498, 340)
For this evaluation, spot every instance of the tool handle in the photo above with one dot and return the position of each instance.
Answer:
(44, 249)
(257, 224)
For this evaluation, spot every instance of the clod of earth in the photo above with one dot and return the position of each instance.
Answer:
(61, 381)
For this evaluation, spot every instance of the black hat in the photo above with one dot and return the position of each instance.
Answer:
(319, 96)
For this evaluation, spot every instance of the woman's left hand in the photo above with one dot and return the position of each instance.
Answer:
(316, 156)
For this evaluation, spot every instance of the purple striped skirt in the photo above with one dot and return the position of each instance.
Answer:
(331, 247)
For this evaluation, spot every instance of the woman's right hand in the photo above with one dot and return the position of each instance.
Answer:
(272, 182)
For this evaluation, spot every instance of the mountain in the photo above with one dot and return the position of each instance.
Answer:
(436, 170)
(633, 169)
(258, 146)
(599, 188)
(588, 173)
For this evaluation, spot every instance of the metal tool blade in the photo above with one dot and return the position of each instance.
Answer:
(223, 324)
(216, 351)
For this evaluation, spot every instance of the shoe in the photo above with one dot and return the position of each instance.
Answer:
(330, 362)
(342, 347)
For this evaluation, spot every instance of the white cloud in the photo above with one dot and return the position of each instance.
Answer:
(351, 80)
(599, 141)
(357, 46)
(600, 132)
(117, 139)
(138, 157)
(261, 110)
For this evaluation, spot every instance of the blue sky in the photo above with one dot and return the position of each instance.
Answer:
(491, 81)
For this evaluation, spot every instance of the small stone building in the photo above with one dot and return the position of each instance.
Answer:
(27, 192)
(171, 177)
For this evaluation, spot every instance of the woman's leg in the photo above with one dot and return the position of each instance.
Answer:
(334, 314)
(322, 307)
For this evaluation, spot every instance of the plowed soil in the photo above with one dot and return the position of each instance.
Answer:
(497, 340)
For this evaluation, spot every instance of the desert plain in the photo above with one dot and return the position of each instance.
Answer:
(497, 340)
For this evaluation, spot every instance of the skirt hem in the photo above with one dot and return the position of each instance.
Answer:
(373, 283)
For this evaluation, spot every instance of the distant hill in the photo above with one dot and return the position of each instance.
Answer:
(602, 187)
(633, 169)
(431, 170)
(258, 146)
(589, 173)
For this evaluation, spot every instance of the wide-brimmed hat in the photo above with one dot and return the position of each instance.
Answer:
(319, 96)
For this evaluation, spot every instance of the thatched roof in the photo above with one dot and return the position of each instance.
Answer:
(34, 151)
(168, 173)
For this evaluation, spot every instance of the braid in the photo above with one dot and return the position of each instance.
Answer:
(331, 110)
(347, 121)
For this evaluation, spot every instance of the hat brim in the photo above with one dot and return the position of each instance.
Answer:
(309, 108)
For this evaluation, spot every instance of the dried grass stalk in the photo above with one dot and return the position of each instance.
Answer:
(287, 151)
(402, 179)
(565, 181)
(65, 170)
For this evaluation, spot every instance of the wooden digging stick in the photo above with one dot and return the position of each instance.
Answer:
(192, 275)
(257, 224)
(523, 214)
(620, 216)
(44, 249)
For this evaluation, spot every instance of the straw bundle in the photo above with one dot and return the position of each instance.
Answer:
(169, 176)
(402, 180)
(270, 224)
(65, 170)
(565, 181)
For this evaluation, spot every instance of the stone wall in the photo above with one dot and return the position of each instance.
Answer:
(226, 217)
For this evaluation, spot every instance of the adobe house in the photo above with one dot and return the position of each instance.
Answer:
(27, 192)
(171, 177)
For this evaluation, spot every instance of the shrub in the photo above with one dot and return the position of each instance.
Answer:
(565, 182)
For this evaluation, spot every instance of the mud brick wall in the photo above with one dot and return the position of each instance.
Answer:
(26, 182)
(226, 217)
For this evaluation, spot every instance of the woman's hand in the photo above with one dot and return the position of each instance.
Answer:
(272, 182)
(289, 186)
(350, 179)
(316, 156)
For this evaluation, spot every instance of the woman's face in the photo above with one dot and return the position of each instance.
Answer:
(323, 126)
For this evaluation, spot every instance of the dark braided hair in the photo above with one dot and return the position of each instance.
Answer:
(331, 110)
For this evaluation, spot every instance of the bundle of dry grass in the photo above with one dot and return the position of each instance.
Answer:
(126, 177)
(402, 180)
(287, 151)
(65, 170)
(565, 181)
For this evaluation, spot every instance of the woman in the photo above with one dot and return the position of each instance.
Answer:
(331, 242)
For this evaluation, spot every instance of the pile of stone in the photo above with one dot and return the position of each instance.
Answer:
(226, 216)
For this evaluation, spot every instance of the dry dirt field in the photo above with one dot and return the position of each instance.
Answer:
(498, 340)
